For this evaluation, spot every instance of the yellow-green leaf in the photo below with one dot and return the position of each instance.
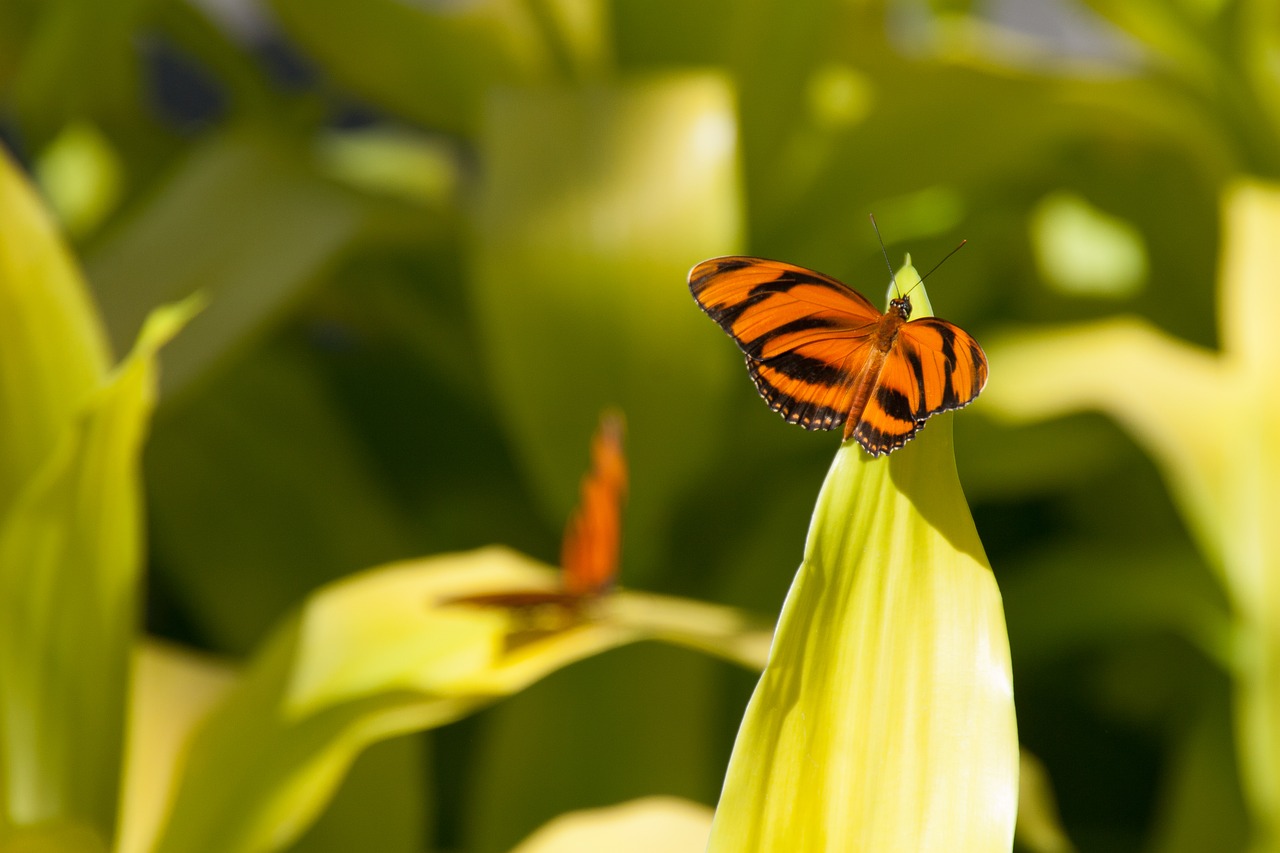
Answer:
(53, 349)
(70, 559)
(173, 689)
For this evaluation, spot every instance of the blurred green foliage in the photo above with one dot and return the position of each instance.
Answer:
(409, 360)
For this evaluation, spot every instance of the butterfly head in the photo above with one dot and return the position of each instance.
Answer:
(901, 306)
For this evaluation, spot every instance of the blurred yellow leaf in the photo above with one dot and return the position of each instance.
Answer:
(173, 689)
(53, 349)
(1039, 828)
(663, 824)
(1211, 422)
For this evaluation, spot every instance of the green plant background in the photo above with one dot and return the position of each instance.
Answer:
(436, 239)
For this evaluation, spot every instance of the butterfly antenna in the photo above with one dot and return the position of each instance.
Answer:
(893, 279)
(938, 264)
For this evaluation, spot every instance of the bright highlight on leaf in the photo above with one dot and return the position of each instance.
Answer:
(81, 175)
(1083, 251)
(884, 719)
(413, 167)
(839, 96)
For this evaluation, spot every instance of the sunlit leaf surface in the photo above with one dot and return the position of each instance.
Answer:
(70, 558)
(388, 652)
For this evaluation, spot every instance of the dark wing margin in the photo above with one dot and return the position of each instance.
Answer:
(804, 334)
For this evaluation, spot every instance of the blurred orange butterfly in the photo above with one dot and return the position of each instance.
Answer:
(593, 535)
(821, 355)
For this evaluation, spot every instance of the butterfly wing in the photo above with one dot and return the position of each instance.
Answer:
(805, 335)
(934, 367)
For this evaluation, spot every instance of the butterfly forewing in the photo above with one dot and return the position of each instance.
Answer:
(950, 367)
(804, 333)
(769, 307)
(812, 342)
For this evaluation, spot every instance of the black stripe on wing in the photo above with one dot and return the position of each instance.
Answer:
(752, 299)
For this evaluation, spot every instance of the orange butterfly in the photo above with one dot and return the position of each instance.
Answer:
(822, 355)
(593, 536)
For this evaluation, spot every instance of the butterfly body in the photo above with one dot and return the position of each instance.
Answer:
(822, 356)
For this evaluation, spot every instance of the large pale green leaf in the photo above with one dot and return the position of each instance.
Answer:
(595, 204)
(53, 351)
(70, 557)
(884, 719)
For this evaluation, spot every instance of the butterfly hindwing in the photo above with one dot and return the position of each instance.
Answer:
(934, 366)
(949, 367)
(804, 334)
(811, 393)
